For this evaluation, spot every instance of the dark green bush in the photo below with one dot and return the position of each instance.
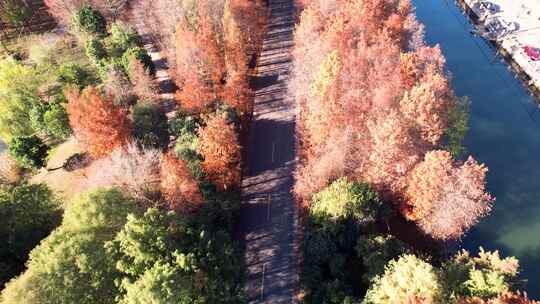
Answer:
(90, 21)
(122, 37)
(57, 122)
(150, 127)
(95, 50)
(74, 74)
(376, 251)
(29, 213)
(184, 128)
(28, 151)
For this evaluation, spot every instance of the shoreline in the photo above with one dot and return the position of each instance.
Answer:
(509, 48)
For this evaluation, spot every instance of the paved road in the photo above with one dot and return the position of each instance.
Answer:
(268, 217)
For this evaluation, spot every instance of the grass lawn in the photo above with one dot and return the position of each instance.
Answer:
(65, 184)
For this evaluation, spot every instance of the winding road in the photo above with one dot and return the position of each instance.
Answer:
(268, 216)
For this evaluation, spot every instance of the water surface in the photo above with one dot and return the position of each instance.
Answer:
(504, 134)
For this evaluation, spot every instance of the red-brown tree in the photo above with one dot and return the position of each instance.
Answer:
(446, 199)
(97, 123)
(178, 186)
(218, 144)
(200, 66)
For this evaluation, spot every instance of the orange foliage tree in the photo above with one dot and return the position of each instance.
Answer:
(218, 144)
(178, 186)
(212, 54)
(200, 62)
(96, 122)
(446, 199)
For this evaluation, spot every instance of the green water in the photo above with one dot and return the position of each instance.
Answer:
(504, 134)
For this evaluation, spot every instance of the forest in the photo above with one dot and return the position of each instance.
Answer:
(384, 180)
(122, 180)
(109, 194)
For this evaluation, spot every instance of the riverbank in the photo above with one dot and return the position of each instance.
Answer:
(510, 25)
(503, 133)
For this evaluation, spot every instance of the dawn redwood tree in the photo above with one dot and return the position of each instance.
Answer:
(218, 144)
(200, 63)
(178, 186)
(447, 199)
(97, 123)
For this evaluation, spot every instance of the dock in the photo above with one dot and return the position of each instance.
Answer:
(513, 27)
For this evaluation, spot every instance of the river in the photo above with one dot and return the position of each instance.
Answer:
(504, 134)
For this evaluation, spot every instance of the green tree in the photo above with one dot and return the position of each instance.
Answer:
(405, 277)
(343, 199)
(29, 151)
(19, 86)
(29, 213)
(70, 74)
(184, 128)
(158, 245)
(140, 54)
(485, 276)
(161, 284)
(89, 21)
(122, 37)
(150, 127)
(56, 121)
(72, 264)
(376, 251)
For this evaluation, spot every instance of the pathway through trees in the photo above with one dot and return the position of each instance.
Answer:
(165, 83)
(268, 215)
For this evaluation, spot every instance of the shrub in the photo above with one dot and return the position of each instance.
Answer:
(29, 151)
(95, 50)
(89, 21)
(150, 127)
(56, 121)
(122, 37)
(74, 74)
(29, 213)
(139, 54)
(376, 251)
(408, 276)
(343, 199)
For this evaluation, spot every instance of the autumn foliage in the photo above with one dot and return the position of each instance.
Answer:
(213, 53)
(97, 123)
(218, 144)
(373, 100)
(63, 10)
(445, 198)
(178, 186)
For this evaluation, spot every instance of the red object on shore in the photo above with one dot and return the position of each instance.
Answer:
(532, 52)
